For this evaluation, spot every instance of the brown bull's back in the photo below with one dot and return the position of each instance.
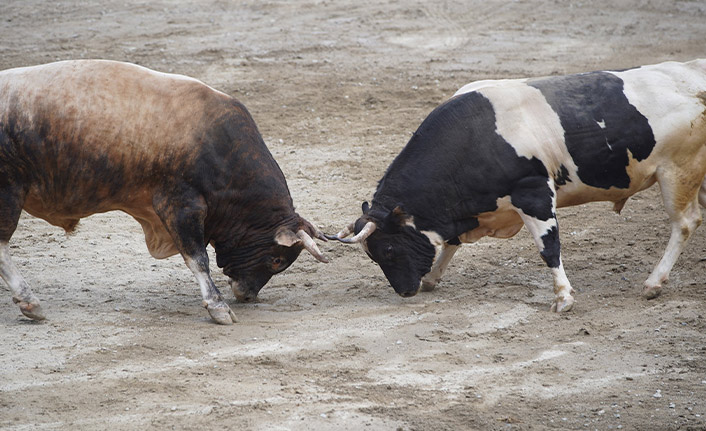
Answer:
(93, 136)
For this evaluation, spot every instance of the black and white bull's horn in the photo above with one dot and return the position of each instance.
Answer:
(343, 233)
(367, 230)
(311, 246)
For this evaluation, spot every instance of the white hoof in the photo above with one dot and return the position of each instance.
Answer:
(30, 308)
(220, 312)
(562, 304)
(427, 286)
(651, 292)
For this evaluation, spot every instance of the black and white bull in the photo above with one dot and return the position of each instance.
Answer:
(187, 161)
(503, 154)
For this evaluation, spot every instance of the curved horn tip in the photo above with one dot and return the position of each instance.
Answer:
(367, 230)
(311, 246)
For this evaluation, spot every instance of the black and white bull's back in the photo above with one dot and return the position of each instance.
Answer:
(186, 161)
(503, 154)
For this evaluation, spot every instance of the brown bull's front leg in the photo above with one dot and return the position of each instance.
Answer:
(183, 215)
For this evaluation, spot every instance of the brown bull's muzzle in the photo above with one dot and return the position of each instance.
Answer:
(242, 294)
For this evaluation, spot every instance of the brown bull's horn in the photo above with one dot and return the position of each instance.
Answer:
(311, 246)
(320, 235)
(367, 230)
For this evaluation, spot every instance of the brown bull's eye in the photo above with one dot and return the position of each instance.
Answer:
(277, 261)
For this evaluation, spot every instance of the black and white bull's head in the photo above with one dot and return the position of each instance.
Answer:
(250, 267)
(390, 238)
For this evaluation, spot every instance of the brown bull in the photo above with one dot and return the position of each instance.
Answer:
(186, 161)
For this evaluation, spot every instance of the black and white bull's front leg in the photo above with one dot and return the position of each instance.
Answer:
(183, 214)
(432, 278)
(535, 202)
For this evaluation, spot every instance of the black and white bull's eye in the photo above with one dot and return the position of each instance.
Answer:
(385, 253)
(389, 252)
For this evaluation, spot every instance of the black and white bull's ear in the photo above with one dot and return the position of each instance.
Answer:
(366, 207)
(398, 217)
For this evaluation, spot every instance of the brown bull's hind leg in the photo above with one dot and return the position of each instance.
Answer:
(10, 209)
(183, 215)
(681, 199)
(21, 293)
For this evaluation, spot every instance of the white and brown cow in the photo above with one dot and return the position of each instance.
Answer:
(503, 154)
(187, 161)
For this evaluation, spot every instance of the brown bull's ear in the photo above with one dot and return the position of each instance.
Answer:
(311, 230)
(286, 238)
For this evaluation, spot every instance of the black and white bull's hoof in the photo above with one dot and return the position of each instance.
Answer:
(30, 308)
(562, 304)
(428, 285)
(220, 312)
(651, 292)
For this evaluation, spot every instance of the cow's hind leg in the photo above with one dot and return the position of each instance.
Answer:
(183, 215)
(430, 280)
(681, 199)
(10, 209)
(536, 205)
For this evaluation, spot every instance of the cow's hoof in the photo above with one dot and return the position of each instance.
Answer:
(562, 304)
(30, 309)
(427, 286)
(220, 312)
(651, 292)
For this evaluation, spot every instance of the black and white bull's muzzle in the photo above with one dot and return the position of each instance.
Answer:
(404, 254)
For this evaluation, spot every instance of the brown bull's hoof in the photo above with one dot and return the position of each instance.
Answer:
(30, 309)
(220, 312)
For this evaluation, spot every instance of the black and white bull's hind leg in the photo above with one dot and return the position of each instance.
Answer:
(536, 205)
(10, 209)
(183, 216)
(681, 197)
(432, 278)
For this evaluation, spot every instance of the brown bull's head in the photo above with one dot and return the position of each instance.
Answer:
(251, 265)
(389, 238)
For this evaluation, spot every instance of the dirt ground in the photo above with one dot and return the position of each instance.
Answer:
(336, 88)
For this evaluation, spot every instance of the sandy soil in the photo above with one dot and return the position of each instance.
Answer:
(336, 88)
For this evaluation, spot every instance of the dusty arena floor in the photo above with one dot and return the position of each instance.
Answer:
(337, 87)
